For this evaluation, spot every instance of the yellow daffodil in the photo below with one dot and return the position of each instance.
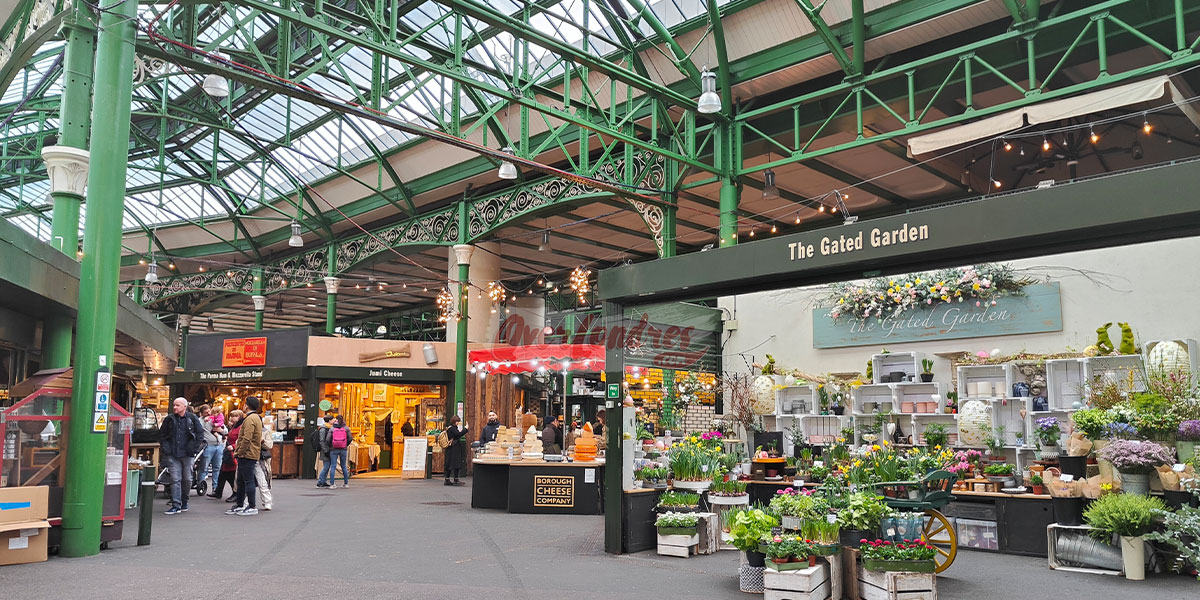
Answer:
(945, 298)
(907, 285)
(841, 300)
(858, 463)
(875, 448)
(885, 442)
(841, 440)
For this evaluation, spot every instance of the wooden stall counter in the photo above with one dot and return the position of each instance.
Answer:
(538, 487)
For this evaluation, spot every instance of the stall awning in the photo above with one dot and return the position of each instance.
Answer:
(529, 359)
(1054, 110)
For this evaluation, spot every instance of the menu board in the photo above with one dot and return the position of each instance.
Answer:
(413, 462)
(244, 352)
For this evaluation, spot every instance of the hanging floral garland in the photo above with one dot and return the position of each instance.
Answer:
(890, 296)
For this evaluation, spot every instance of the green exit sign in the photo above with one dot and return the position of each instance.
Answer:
(614, 391)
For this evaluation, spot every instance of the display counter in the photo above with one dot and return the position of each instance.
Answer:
(539, 487)
(999, 522)
(285, 458)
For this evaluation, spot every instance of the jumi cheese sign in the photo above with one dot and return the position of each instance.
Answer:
(554, 490)
(244, 352)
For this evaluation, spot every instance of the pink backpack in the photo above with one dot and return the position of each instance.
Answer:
(339, 438)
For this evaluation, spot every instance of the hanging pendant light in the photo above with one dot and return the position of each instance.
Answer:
(545, 245)
(769, 188)
(507, 169)
(152, 273)
(216, 86)
(709, 101)
(296, 241)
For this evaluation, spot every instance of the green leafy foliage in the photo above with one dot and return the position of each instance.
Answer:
(997, 470)
(863, 511)
(1181, 531)
(747, 528)
(1128, 515)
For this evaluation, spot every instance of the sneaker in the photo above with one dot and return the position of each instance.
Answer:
(345, 485)
(183, 509)
(266, 508)
(229, 499)
(321, 485)
(448, 482)
(248, 511)
(172, 511)
(237, 510)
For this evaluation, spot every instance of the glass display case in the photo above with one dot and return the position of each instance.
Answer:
(35, 434)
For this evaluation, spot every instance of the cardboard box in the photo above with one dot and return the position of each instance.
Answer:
(24, 530)
(22, 543)
(24, 504)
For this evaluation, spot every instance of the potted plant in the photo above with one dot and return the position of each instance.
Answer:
(860, 517)
(1037, 484)
(674, 523)
(1129, 516)
(1186, 438)
(1047, 432)
(746, 530)
(818, 473)
(926, 370)
(994, 441)
(1135, 460)
(792, 506)
(674, 501)
(823, 398)
(936, 436)
(838, 407)
(998, 473)
(694, 464)
(789, 552)
(823, 534)
(909, 555)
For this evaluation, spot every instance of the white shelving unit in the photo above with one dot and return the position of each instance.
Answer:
(1065, 384)
(998, 379)
(1121, 368)
(921, 394)
(883, 365)
(822, 429)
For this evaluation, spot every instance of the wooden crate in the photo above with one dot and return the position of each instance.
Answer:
(811, 583)
(709, 528)
(896, 585)
(682, 546)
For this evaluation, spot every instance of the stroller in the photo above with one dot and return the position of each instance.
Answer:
(199, 480)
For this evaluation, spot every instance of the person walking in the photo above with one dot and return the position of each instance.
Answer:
(490, 429)
(247, 451)
(262, 469)
(339, 444)
(228, 463)
(181, 437)
(214, 435)
(456, 453)
(321, 436)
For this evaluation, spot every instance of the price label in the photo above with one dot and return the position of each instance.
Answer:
(831, 518)
(703, 468)
(1066, 477)
(798, 483)
(1178, 468)
(818, 463)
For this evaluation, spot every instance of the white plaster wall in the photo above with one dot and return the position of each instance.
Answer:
(482, 323)
(1152, 286)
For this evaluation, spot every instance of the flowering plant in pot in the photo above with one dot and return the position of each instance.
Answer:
(823, 534)
(1047, 432)
(788, 552)
(794, 505)
(1185, 439)
(1134, 460)
(678, 501)
(1129, 516)
(674, 523)
(907, 555)
(1091, 422)
(926, 370)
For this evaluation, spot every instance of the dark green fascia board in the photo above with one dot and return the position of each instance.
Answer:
(1073, 216)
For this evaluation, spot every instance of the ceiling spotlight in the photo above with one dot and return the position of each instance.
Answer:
(152, 273)
(216, 86)
(1146, 127)
(507, 169)
(709, 101)
(141, 261)
(1007, 146)
(769, 188)
(1094, 136)
(1045, 144)
(202, 269)
(171, 266)
(296, 241)
(382, 329)
(833, 210)
(545, 245)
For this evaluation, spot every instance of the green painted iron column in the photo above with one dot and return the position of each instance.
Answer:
(331, 292)
(83, 492)
(70, 156)
(259, 300)
(462, 253)
(727, 162)
(185, 327)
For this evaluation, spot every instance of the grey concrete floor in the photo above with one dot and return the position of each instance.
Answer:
(387, 538)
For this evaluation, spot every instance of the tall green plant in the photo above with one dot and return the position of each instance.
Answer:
(1128, 515)
(748, 528)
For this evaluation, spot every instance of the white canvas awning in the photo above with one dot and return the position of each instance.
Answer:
(1053, 110)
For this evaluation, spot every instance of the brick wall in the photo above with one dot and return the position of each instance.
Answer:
(699, 417)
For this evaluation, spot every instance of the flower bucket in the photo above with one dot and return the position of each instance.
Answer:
(754, 559)
(1135, 483)
(1186, 450)
(695, 486)
(1073, 465)
(1133, 554)
(1176, 499)
(911, 566)
(1048, 452)
(849, 538)
(1067, 511)
(750, 579)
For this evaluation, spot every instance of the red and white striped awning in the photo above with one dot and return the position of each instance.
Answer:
(537, 358)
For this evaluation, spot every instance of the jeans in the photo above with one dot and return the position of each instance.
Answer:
(246, 495)
(210, 463)
(327, 470)
(262, 477)
(180, 470)
(344, 456)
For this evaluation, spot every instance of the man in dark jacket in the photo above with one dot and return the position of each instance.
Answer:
(181, 436)
(490, 430)
(552, 435)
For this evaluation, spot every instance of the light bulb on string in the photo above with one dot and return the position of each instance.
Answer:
(1146, 126)
(822, 209)
(1045, 144)
(1094, 136)
(774, 229)
(751, 232)
(996, 183)
(797, 218)
(1007, 146)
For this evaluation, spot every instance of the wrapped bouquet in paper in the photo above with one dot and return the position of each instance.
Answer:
(1059, 488)
(1172, 477)
(1097, 486)
(1078, 445)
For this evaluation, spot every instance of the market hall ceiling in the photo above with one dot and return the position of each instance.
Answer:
(214, 184)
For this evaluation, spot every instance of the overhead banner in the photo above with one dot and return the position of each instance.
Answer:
(1038, 311)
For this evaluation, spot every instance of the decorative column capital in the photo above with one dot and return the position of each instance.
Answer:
(67, 169)
(463, 253)
(185, 321)
(260, 302)
(331, 285)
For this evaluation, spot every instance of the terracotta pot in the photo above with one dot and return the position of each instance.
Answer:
(812, 561)
(1039, 489)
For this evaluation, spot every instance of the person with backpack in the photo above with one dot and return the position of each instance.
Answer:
(182, 438)
(229, 464)
(339, 444)
(322, 442)
(247, 452)
(454, 448)
(262, 469)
